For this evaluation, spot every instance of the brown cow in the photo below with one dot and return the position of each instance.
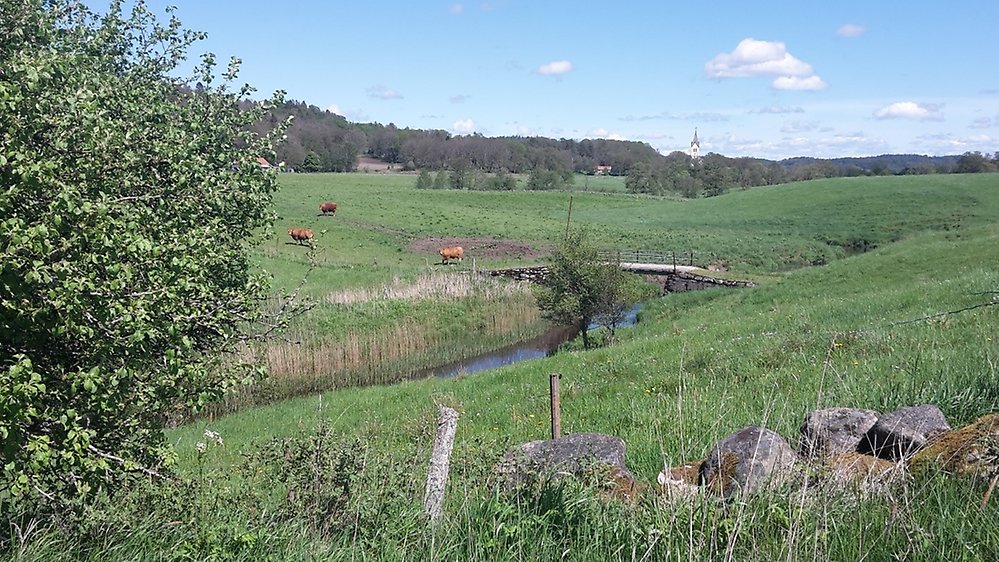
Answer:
(328, 207)
(300, 235)
(450, 253)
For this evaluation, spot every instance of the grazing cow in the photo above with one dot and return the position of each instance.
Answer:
(300, 235)
(328, 207)
(450, 253)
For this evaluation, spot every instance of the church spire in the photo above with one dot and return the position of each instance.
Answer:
(695, 146)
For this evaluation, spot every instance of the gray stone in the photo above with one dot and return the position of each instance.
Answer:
(833, 431)
(902, 433)
(577, 454)
(747, 461)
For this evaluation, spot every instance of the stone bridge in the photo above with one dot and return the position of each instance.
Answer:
(673, 278)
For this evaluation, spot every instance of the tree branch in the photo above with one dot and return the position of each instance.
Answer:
(123, 462)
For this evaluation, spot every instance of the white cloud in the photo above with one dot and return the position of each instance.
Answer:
(777, 110)
(555, 67)
(850, 30)
(755, 58)
(799, 126)
(985, 122)
(457, 8)
(600, 133)
(810, 83)
(459, 98)
(334, 108)
(463, 126)
(946, 143)
(524, 131)
(382, 92)
(909, 110)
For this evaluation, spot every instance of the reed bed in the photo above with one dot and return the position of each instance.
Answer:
(427, 286)
(445, 317)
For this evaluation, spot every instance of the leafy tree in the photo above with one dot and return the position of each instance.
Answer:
(462, 176)
(973, 163)
(580, 286)
(501, 181)
(641, 179)
(312, 163)
(424, 181)
(441, 180)
(128, 201)
(545, 180)
(621, 292)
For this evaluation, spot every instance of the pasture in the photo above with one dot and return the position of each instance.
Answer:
(377, 232)
(385, 236)
(874, 293)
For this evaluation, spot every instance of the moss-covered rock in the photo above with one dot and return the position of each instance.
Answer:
(971, 450)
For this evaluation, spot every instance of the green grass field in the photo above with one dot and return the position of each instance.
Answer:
(338, 475)
(763, 230)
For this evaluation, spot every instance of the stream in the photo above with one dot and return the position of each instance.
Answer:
(541, 346)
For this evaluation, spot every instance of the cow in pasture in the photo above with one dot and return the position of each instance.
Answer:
(300, 235)
(450, 253)
(328, 208)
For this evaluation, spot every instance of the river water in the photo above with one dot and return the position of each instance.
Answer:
(541, 346)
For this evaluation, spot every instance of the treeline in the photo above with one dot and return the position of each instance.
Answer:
(321, 141)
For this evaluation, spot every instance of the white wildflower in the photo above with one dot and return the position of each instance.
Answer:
(213, 436)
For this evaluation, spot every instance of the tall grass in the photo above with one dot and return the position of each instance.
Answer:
(338, 475)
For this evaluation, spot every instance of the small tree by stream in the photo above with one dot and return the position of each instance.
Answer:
(581, 288)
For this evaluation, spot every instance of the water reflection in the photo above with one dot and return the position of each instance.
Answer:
(541, 346)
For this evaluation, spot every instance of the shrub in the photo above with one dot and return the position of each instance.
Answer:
(128, 201)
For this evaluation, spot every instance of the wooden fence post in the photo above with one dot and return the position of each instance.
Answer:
(555, 401)
(440, 460)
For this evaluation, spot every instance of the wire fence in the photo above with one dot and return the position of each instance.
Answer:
(648, 256)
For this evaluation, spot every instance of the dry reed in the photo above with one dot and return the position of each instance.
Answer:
(430, 285)
(305, 361)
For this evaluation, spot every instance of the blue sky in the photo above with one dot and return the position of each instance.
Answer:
(763, 79)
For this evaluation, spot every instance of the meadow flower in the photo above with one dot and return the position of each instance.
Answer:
(214, 436)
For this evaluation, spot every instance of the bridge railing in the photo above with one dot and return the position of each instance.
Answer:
(648, 256)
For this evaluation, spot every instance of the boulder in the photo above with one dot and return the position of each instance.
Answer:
(582, 455)
(899, 434)
(832, 431)
(971, 450)
(748, 461)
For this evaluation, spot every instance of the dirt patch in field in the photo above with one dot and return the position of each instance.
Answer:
(368, 164)
(481, 247)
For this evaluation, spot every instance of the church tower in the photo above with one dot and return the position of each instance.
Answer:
(695, 147)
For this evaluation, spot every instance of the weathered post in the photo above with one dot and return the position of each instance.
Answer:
(568, 218)
(440, 460)
(555, 401)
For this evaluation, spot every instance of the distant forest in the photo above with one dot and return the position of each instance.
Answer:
(321, 141)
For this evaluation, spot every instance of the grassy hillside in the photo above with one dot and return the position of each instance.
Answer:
(911, 321)
(765, 229)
